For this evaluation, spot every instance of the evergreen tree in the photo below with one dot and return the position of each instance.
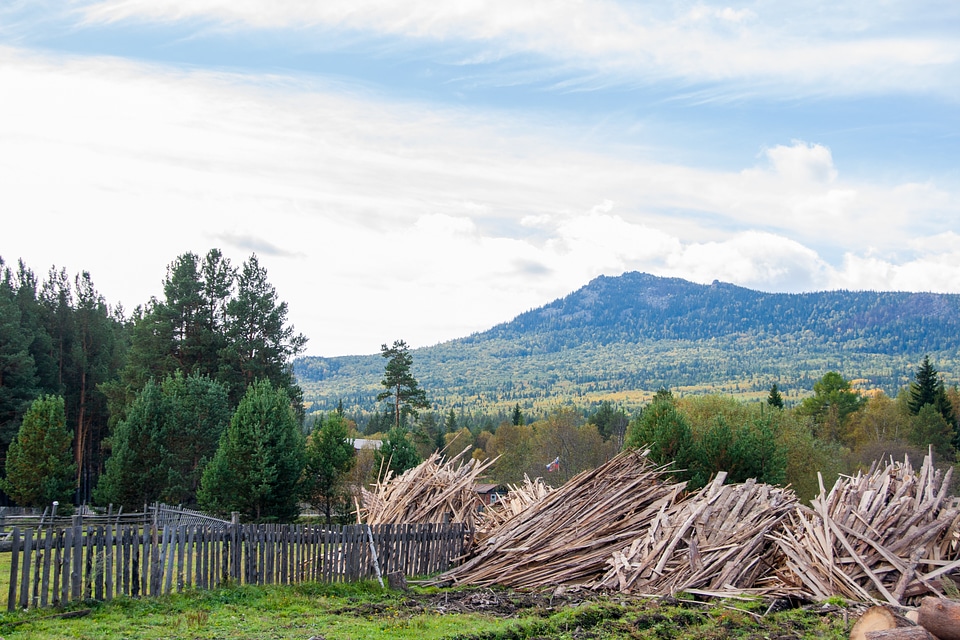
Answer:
(259, 461)
(667, 433)
(329, 457)
(39, 465)
(397, 453)
(928, 389)
(928, 428)
(134, 473)
(400, 383)
(260, 344)
(18, 374)
(159, 451)
(516, 418)
(832, 403)
(610, 422)
(774, 399)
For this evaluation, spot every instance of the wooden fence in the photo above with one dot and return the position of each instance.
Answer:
(57, 565)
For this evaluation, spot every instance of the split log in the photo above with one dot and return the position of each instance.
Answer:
(941, 617)
(906, 633)
(880, 618)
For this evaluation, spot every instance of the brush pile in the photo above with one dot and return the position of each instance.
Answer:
(435, 491)
(518, 499)
(567, 537)
(885, 535)
(713, 542)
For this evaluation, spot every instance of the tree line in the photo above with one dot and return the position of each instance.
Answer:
(147, 400)
(192, 399)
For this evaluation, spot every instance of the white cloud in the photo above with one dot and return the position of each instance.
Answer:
(380, 220)
(790, 52)
(802, 162)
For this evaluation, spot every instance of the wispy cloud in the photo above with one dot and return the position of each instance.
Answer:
(450, 218)
(844, 49)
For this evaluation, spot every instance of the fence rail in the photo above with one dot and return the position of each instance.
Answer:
(57, 565)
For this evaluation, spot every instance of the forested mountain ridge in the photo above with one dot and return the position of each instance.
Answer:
(623, 337)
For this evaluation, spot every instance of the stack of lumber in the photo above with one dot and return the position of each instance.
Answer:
(519, 497)
(437, 490)
(882, 536)
(714, 542)
(567, 537)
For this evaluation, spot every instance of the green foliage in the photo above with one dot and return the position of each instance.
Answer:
(610, 422)
(400, 383)
(928, 428)
(774, 399)
(39, 465)
(159, 451)
(217, 321)
(397, 453)
(928, 389)
(329, 456)
(833, 402)
(667, 433)
(259, 461)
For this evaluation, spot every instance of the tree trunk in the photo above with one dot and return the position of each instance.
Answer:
(941, 617)
(878, 619)
(905, 633)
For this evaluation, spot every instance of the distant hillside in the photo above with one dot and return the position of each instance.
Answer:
(621, 338)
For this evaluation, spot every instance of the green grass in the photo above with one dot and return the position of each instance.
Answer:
(363, 610)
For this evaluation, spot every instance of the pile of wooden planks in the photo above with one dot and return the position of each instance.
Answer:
(882, 536)
(887, 535)
(715, 541)
(519, 498)
(438, 490)
(567, 537)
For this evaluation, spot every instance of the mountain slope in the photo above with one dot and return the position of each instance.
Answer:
(623, 337)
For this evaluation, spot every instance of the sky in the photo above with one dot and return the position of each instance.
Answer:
(421, 171)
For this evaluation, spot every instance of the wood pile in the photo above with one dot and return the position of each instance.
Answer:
(715, 541)
(519, 498)
(567, 537)
(437, 490)
(882, 536)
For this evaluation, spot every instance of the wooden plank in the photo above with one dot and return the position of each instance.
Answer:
(76, 564)
(25, 569)
(58, 546)
(108, 571)
(191, 555)
(135, 568)
(14, 566)
(47, 552)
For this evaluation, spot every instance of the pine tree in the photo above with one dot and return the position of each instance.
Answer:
(400, 383)
(39, 463)
(259, 461)
(928, 388)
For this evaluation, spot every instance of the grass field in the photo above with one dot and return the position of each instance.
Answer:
(364, 610)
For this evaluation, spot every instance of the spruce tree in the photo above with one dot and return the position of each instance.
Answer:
(258, 464)
(39, 465)
(329, 456)
(774, 399)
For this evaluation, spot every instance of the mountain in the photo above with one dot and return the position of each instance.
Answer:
(621, 338)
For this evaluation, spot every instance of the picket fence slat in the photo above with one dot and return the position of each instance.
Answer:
(55, 565)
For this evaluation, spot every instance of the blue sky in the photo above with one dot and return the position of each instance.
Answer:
(423, 170)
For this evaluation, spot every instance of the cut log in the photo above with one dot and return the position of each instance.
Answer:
(905, 633)
(941, 617)
(878, 619)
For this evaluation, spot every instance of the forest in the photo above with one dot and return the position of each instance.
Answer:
(192, 398)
